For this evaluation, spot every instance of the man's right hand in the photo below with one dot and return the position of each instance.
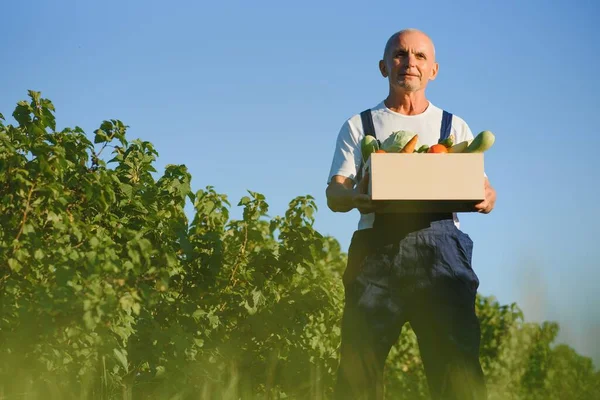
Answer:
(342, 196)
(362, 201)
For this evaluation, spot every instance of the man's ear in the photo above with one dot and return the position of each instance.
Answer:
(434, 71)
(383, 69)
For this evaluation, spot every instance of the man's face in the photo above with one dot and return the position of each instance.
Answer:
(409, 63)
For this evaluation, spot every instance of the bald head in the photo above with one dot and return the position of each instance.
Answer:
(409, 61)
(395, 38)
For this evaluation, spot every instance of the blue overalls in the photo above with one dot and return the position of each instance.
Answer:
(412, 268)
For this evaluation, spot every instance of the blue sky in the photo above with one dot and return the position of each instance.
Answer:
(250, 96)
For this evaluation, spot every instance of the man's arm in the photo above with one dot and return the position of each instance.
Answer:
(487, 205)
(342, 196)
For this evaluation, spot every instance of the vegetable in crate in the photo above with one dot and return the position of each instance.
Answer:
(368, 145)
(396, 141)
(438, 148)
(448, 142)
(423, 149)
(459, 147)
(482, 142)
(410, 146)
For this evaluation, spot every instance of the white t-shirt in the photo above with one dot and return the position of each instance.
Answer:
(347, 159)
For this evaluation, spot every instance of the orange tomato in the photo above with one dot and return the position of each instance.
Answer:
(438, 148)
(380, 151)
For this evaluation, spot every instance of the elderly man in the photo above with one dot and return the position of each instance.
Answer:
(402, 268)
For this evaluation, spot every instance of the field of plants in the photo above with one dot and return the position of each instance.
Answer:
(108, 290)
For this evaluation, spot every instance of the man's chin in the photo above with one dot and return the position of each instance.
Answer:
(406, 86)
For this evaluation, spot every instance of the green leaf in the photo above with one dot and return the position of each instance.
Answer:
(14, 265)
(101, 136)
(127, 190)
(28, 228)
(94, 242)
(21, 255)
(22, 114)
(35, 96)
(121, 356)
(49, 119)
(38, 254)
(160, 371)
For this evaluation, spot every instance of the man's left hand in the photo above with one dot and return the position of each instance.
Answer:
(487, 205)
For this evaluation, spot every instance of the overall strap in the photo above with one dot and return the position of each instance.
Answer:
(369, 129)
(446, 125)
(367, 122)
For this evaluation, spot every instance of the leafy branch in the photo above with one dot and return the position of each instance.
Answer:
(24, 219)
